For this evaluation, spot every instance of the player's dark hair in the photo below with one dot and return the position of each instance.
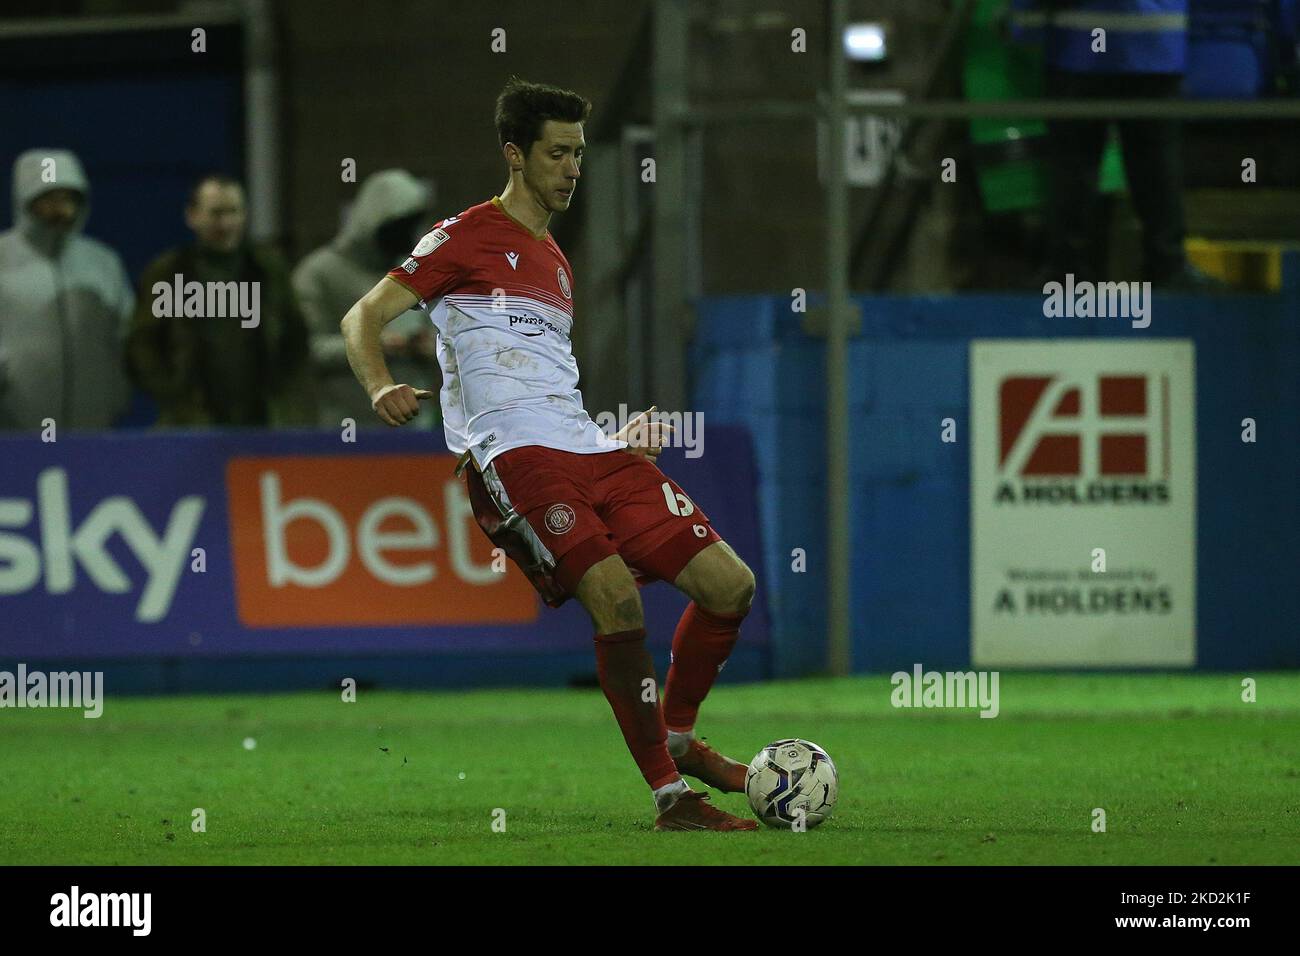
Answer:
(523, 107)
(221, 179)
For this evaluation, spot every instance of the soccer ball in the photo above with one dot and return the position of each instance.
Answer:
(792, 779)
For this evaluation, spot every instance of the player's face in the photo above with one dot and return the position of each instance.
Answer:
(218, 216)
(57, 208)
(555, 163)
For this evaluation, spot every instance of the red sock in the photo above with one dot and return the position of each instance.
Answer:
(623, 664)
(701, 646)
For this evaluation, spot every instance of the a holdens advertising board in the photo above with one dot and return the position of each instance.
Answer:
(226, 543)
(1083, 503)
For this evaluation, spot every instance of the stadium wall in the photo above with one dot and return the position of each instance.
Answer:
(756, 368)
(754, 364)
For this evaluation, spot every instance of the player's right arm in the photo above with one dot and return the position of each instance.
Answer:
(395, 403)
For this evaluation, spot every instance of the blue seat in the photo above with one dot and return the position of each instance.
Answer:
(1225, 69)
(1228, 49)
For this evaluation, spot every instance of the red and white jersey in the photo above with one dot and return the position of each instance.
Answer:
(501, 300)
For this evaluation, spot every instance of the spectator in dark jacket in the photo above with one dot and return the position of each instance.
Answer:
(221, 369)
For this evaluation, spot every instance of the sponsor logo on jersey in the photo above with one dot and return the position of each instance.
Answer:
(410, 265)
(451, 221)
(564, 282)
(526, 320)
(513, 259)
(430, 241)
(559, 519)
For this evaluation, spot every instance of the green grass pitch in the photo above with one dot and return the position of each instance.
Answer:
(1186, 772)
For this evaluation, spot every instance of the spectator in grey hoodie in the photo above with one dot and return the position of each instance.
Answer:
(391, 207)
(65, 302)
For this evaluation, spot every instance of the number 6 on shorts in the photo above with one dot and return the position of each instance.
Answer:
(677, 502)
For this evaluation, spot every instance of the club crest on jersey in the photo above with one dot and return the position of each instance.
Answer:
(564, 282)
(430, 242)
(559, 519)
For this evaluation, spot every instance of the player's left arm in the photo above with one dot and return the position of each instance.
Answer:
(644, 435)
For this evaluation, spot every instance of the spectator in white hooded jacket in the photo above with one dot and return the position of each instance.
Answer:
(65, 302)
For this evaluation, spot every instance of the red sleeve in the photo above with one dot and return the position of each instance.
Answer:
(434, 267)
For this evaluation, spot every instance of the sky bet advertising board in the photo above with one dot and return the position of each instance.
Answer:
(211, 544)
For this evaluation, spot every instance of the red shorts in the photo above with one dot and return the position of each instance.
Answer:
(580, 509)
